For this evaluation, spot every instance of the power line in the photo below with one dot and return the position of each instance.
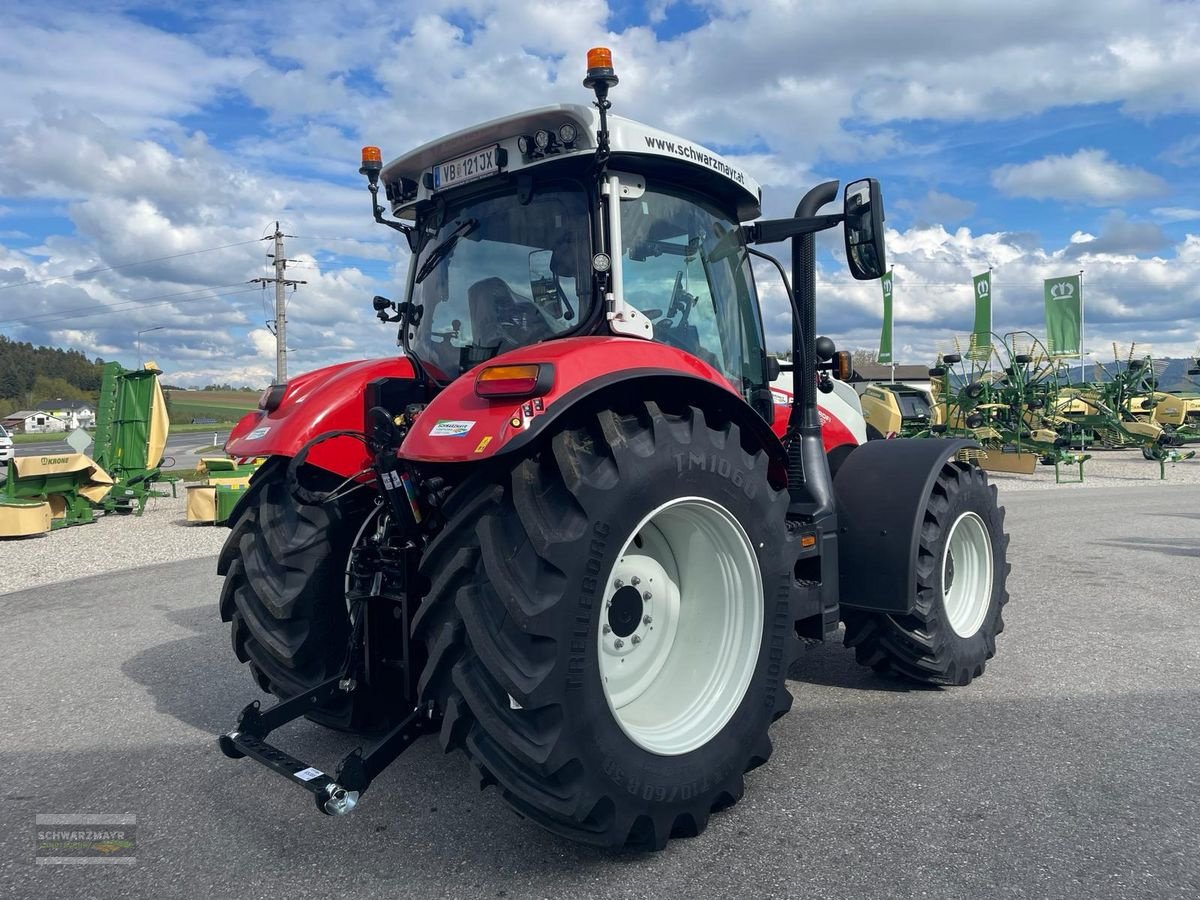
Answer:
(142, 262)
(343, 240)
(115, 307)
(105, 307)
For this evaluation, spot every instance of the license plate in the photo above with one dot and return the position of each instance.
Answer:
(479, 164)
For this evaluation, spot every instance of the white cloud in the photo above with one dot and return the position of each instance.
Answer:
(1185, 152)
(79, 60)
(95, 130)
(1176, 213)
(1087, 176)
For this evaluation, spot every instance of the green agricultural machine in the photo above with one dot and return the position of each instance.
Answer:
(1018, 401)
(1123, 408)
(60, 489)
(50, 491)
(226, 481)
(1005, 398)
(131, 434)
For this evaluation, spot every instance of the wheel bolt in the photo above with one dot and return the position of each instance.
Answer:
(636, 640)
(646, 595)
(607, 629)
(618, 643)
(618, 583)
(635, 581)
(646, 620)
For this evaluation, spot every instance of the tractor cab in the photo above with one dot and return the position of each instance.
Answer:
(519, 236)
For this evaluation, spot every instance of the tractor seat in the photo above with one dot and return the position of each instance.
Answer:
(503, 319)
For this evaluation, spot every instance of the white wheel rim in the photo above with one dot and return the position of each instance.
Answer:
(967, 574)
(681, 626)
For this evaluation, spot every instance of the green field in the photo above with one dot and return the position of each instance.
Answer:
(223, 406)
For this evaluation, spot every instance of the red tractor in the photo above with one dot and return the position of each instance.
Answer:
(571, 528)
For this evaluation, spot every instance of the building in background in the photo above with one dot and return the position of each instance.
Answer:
(33, 421)
(76, 413)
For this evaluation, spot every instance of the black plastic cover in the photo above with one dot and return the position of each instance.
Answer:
(881, 490)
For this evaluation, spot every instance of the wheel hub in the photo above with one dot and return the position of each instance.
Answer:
(625, 611)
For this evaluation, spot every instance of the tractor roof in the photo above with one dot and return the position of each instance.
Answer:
(626, 138)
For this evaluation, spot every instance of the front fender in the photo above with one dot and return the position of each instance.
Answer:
(328, 399)
(459, 426)
(882, 488)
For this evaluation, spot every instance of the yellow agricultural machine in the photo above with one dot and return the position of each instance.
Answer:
(895, 410)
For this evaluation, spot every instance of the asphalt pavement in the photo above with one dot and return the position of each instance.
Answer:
(1071, 769)
(180, 452)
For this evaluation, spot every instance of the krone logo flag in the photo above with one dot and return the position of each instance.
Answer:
(981, 335)
(1064, 314)
(885, 338)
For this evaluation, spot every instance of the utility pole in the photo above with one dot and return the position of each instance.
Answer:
(280, 321)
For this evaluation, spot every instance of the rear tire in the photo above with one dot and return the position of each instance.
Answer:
(531, 686)
(962, 569)
(284, 594)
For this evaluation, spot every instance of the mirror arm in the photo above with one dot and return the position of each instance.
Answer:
(770, 231)
(405, 230)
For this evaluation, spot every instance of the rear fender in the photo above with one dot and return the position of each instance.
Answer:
(459, 426)
(881, 490)
(328, 399)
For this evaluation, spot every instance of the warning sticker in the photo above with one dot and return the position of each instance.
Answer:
(451, 428)
(308, 774)
(483, 444)
(258, 432)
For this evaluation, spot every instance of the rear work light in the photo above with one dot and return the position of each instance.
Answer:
(843, 365)
(527, 380)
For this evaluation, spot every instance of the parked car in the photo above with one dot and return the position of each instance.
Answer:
(6, 446)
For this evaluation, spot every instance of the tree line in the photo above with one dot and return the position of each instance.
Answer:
(29, 374)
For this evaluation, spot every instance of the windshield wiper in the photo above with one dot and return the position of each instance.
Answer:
(445, 248)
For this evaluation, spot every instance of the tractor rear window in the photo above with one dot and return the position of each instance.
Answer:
(494, 274)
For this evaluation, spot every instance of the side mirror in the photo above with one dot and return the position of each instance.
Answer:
(863, 210)
(772, 368)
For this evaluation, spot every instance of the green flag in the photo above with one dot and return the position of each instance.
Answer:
(1064, 314)
(981, 336)
(885, 339)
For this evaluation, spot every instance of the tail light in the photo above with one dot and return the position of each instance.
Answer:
(527, 380)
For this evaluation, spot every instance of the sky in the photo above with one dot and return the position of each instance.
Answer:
(147, 149)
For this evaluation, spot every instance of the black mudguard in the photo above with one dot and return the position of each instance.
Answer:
(881, 489)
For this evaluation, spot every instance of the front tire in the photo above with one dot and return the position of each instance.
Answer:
(633, 524)
(284, 594)
(962, 568)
